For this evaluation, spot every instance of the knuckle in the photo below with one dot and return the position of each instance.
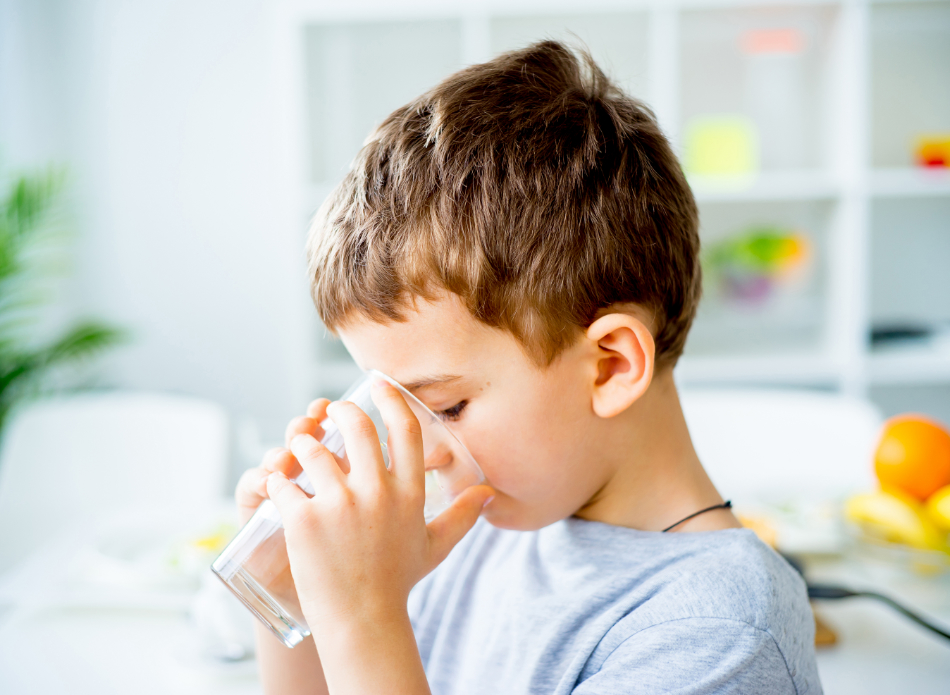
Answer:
(358, 422)
(364, 427)
(373, 486)
(410, 425)
(306, 448)
(339, 499)
(314, 450)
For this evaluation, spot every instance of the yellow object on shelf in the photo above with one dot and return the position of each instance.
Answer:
(721, 146)
(896, 517)
(933, 150)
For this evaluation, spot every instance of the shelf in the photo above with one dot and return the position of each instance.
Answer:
(909, 60)
(618, 40)
(770, 72)
(804, 369)
(910, 251)
(358, 72)
(911, 364)
(908, 182)
(792, 185)
(863, 82)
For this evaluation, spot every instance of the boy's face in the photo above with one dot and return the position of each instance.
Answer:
(533, 431)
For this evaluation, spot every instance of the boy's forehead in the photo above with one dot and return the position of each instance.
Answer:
(438, 342)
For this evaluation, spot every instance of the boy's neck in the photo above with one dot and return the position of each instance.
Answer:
(657, 477)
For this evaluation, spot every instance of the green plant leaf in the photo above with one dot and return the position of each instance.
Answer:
(83, 340)
(31, 253)
(30, 199)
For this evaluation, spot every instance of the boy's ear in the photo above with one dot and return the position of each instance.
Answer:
(624, 352)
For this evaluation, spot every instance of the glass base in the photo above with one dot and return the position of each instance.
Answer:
(287, 629)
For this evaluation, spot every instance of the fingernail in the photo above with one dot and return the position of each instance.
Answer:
(485, 503)
(300, 439)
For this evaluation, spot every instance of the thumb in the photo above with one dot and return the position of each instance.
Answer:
(450, 526)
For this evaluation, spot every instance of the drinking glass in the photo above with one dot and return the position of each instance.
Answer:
(255, 567)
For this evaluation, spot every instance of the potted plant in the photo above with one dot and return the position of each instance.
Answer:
(29, 247)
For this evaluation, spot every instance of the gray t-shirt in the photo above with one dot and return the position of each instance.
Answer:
(593, 609)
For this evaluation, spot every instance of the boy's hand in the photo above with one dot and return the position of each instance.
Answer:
(361, 543)
(252, 487)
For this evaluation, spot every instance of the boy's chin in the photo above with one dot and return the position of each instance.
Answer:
(517, 519)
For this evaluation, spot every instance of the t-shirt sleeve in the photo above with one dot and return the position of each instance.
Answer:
(693, 656)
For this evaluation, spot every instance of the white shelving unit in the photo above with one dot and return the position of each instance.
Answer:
(836, 158)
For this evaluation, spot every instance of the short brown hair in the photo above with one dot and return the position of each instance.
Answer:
(531, 187)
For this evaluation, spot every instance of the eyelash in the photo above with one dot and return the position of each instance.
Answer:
(453, 413)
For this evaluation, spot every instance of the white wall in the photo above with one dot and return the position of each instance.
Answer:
(168, 115)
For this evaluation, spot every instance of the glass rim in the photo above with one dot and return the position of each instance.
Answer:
(407, 394)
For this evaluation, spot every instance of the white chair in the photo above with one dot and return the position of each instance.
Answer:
(70, 460)
(773, 445)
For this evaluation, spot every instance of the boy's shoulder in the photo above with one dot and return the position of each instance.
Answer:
(615, 602)
(727, 574)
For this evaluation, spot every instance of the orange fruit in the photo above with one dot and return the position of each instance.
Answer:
(913, 455)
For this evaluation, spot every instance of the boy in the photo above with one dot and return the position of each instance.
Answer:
(518, 247)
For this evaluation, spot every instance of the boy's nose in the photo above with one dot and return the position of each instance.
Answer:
(440, 457)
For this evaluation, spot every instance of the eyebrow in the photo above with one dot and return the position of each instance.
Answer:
(426, 381)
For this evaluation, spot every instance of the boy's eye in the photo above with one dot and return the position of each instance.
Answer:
(453, 413)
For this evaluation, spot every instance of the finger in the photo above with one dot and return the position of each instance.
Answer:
(289, 499)
(450, 526)
(281, 460)
(406, 459)
(318, 409)
(302, 425)
(318, 463)
(361, 441)
(251, 488)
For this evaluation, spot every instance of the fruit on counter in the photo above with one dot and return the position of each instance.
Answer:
(762, 527)
(938, 508)
(913, 455)
(895, 516)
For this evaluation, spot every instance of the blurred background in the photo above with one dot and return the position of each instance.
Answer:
(180, 148)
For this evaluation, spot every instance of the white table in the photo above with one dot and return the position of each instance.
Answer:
(879, 650)
(71, 649)
(103, 610)
(92, 650)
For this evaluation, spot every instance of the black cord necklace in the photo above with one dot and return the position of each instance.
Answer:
(725, 505)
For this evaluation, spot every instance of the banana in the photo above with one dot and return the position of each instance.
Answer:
(938, 508)
(894, 516)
